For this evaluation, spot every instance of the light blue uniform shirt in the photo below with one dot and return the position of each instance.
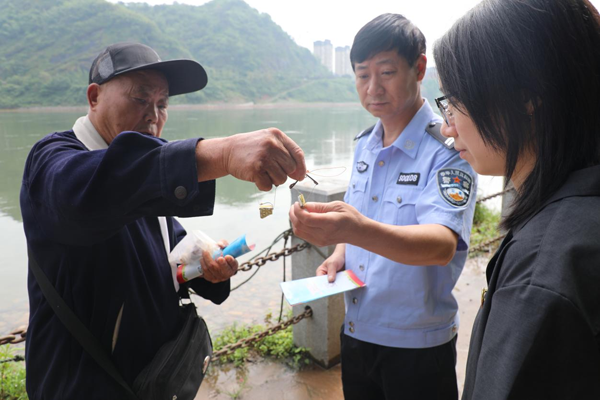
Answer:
(414, 181)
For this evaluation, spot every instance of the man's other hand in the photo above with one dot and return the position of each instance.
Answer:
(218, 270)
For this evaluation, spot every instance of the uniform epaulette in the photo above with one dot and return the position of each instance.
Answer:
(433, 128)
(365, 132)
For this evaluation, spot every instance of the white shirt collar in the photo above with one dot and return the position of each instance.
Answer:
(87, 134)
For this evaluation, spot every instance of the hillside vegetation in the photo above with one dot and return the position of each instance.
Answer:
(47, 47)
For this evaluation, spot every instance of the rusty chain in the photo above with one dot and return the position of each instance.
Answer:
(482, 247)
(231, 348)
(260, 261)
(19, 335)
(494, 195)
(227, 350)
(16, 336)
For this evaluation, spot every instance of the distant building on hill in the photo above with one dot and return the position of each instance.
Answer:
(343, 67)
(323, 50)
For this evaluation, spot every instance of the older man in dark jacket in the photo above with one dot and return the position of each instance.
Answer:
(97, 204)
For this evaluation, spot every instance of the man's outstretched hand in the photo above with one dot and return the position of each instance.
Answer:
(266, 157)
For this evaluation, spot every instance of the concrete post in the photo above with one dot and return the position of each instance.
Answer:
(321, 333)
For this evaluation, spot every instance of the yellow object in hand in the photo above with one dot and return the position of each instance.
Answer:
(301, 200)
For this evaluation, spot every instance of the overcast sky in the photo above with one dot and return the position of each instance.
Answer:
(307, 21)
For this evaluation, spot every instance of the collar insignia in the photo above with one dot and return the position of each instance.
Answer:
(361, 166)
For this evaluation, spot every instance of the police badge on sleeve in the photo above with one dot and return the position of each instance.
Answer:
(454, 186)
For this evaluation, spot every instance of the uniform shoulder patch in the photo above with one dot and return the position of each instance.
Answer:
(365, 132)
(454, 186)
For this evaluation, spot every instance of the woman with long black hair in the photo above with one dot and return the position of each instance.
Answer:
(521, 80)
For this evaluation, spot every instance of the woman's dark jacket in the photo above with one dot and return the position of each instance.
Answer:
(537, 333)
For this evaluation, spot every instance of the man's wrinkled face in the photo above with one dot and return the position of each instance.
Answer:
(135, 101)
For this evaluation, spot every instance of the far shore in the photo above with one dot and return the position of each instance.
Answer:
(215, 106)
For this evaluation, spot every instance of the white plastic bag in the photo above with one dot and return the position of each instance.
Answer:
(187, 254)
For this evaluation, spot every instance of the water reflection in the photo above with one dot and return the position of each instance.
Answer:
(325, 134)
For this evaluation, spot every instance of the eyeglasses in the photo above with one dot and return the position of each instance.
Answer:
(444, 106)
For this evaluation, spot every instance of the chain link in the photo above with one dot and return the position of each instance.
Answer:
(260, 261)
(19, 334)
(231, 348)
(494, 195)
(16, 336)
(485, 245)
(14, 359)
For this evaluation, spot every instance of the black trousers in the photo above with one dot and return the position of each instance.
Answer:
(373, 372)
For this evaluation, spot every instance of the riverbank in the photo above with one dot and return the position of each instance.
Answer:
(266, 379)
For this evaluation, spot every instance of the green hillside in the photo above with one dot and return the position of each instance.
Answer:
(246, 54)
(430, 88)
(47, 46)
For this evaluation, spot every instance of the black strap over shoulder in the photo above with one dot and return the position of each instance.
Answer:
(74, 325)
(365, 132)
(433, 128)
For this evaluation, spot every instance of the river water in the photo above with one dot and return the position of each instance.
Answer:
(325, 133)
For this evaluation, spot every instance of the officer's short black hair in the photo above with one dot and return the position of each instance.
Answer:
(388, 32)
(527, 72)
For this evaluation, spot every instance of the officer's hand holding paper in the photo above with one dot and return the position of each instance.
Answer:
(309, 289)
(333, 263)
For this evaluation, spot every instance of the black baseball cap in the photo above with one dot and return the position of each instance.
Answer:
(183, 76)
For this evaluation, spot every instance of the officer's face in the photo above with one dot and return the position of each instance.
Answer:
(135, 101)
(484, 159)
(387, 86)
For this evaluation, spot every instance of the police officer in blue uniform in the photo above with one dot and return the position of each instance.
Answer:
(403, 228)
